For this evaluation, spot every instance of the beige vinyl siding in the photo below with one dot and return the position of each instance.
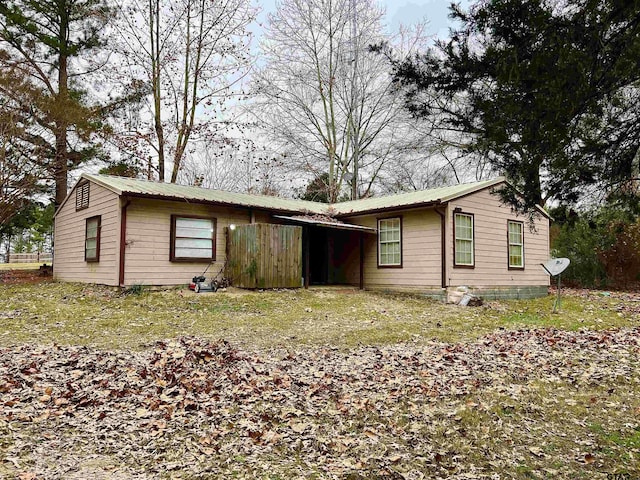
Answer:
(420, 253)
(491, 245)
(149, 234)
(69, 237)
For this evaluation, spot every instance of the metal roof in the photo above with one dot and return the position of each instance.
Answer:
(432, 196)
(326, 224)
(171, 191)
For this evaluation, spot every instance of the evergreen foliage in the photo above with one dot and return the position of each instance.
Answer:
(547, 91)
(46, 48)
(603, 246)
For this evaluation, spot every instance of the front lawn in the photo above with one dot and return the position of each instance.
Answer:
(328, 383)
(75, 314)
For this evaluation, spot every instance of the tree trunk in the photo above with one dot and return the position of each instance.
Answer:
(154, 26)
(60, 164)
(533, 180)
(177, 159)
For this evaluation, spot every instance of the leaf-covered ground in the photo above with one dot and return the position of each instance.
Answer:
(538, 403)
(426, 391)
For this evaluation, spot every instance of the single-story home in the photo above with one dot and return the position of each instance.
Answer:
(125, 231)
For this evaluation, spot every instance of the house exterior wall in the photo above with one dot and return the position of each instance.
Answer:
(421, 252)
(148, 238)
(491, 274)
(421, 244)
(69, 239)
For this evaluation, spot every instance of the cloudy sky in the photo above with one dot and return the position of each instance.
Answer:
(398, 12)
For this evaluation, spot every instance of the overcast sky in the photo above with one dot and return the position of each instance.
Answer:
(398, 12)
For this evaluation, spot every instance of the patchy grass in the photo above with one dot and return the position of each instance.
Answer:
(93, 315)
(21, 266)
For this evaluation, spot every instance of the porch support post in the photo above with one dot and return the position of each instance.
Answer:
(443, 246)
(123, 240)
(361, 260)
(305, 253)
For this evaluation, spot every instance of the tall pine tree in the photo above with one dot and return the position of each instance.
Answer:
(47, 47)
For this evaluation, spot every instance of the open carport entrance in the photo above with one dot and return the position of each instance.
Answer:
(332, 252)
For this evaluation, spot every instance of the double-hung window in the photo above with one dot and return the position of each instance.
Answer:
(192, 239)
(390, 242)
(464, 251)
(516, 244)
(92, 239)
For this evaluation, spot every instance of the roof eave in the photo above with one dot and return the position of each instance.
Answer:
(395, 208)
(474, 189)
(339, 226)
(202, 201)
(102, 183)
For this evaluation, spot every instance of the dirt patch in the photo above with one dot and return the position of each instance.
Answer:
(16, 277)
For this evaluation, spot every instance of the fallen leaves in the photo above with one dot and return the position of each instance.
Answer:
(400, 411)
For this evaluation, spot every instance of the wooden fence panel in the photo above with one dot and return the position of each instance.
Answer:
(30, 257)
(263, 255)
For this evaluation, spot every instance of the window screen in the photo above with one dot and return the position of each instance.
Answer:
(193, 238)
(92, 240)
(516, 244)
(464, 239)
(389, 242)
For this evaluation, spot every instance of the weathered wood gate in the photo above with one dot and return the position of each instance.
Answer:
(262, 255)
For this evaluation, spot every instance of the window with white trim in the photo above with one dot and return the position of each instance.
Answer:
(464, 240)
(92, 239)
(389, 242)
(516, 244)
(193, 238)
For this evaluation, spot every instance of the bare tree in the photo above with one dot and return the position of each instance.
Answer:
(325, 99)
(222, 165)
(189, 53)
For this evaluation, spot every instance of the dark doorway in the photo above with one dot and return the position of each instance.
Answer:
(331, 256)
(318, 256)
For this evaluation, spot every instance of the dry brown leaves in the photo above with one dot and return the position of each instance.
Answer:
(194, 409)
(14, 277)
(630, 299)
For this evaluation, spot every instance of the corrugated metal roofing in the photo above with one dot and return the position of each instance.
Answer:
(323, 223)
(171, 191)
(133, 186)
(410, 199)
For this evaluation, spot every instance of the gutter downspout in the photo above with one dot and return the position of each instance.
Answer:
(123, 240)
(443, 249)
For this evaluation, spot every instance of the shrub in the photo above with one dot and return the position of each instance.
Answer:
(603, 246)
(580, 242)
(621, 258)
